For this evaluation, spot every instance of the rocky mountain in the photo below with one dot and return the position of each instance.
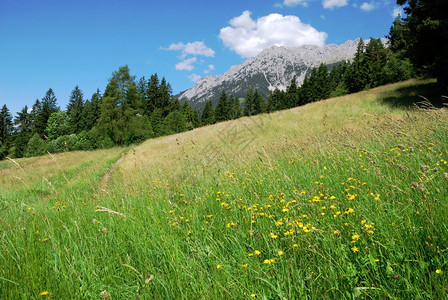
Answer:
(272, 68)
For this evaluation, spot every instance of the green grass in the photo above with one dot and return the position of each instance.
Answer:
(341, 199)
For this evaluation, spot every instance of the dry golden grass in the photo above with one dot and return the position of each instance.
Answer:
(321, 124)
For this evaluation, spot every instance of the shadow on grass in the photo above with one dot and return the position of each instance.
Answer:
(417, 95)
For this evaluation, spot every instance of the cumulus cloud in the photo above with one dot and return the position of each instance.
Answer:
(186, 65)
(195, 48)
(295, 2)
(194, 77)
(209, 68)
(330, 4)
(398, 11)
(248, 37)
(368, 6)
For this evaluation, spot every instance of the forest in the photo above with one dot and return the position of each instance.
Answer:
(130, 111)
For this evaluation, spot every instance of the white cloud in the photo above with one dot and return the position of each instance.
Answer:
(368, 6)
(195, 48)
(186, 64)
(304, 3)
(330, 4)
(398, 11)
(209, 68)
(248, 37)
(194, 77)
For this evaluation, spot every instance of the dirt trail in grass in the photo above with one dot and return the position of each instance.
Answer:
(103, 183)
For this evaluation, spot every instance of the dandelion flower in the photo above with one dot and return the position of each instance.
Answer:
(439, 271)
(253, 295)
(218, 266)
(244, 266)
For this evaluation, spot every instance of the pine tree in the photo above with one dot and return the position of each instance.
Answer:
(23, 126)
(43, 111)
(235, 108)
(75, 110)
(91, 111)
(165, 96)
(222, 110)
(157, 124)
(188, 113)
(292, 95)
(375, 60)
(5, 124)
(208, 114)
(259, 105)
(427, 42)
(152, 94)
(249, 102)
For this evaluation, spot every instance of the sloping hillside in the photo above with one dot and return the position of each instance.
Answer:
(344, 198)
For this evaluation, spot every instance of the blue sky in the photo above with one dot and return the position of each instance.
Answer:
(62, 43)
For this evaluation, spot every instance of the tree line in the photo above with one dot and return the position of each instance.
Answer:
(131, 111)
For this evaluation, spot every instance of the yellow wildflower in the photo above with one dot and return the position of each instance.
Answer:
(439, 271)
(355, 249)
(44, 293)
(257, 252)
(280, 252)
(218, 266)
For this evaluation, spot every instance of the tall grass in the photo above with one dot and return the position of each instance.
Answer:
(341, 199)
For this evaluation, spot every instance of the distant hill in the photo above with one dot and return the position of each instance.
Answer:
(272, 68)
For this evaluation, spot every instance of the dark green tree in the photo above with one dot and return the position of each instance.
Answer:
(44, 109)
(22, 132)
(5, 124)
(292, 95)
(259, 105)
(91, 111)
(75, 110)
(222, 110)
(175, 122)
(157, 124)
(426, 37)
(5, 130)
(36, 146)
(208, 114)
(249, 103)
(235, 108)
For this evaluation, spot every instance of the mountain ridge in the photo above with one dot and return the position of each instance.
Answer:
(272, 68)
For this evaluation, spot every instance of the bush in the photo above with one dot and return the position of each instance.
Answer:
(36, 146)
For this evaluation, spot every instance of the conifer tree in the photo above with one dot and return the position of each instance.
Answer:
(222, 109)
(249, 102)
(259, 105)
(5, 124)
(292, 95)
(91, 111)
(75, 110)
(157, 123)
(208, 114)
(152, 94)
(22, 134)
(235, 108)
(45, 108)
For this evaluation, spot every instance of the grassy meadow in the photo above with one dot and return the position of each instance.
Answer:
(345, 198)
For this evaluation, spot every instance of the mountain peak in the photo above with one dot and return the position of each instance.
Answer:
(272, 68)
